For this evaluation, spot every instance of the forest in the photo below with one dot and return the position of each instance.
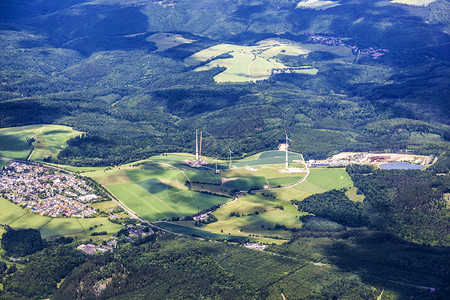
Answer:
(106, 79)
(410, 204)
(174, 267)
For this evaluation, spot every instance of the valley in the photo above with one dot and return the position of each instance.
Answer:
(257, 149)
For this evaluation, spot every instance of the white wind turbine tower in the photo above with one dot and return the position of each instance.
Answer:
(230, 158)
(196, 144)
(287, 150)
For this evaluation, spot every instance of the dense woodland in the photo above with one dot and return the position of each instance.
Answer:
(407, 203)
(102, 76)
(351, 264)
(21, 242)
(335, 206)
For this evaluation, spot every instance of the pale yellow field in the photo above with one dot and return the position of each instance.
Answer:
(317, 4)
(166, 40)
(252, 63)
(414, 2)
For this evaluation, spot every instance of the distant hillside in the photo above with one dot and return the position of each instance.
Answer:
(105, 68)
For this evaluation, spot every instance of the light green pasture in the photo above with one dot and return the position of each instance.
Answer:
(164, 40)
(50, 140)
(252, 63)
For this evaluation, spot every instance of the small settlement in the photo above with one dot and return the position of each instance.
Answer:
(255, 246)
(129, 235)
(47, 191)
(372, 52)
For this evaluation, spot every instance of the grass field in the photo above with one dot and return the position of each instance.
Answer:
(77, 169)
(252, 63)
(197, 232)
(155, 188)
(164, 40)
(17, 217)
(105, 206)
(258, 216)
(414, 2)
(268, 158)
(268, 209)
(318, 181)
(317, 4)
(49, 141)
(352, 195)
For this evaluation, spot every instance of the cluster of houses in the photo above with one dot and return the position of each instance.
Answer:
(134, 233)
(334, 41)
(255, 246)
(93, 249)
(202, 217)
(46, 191)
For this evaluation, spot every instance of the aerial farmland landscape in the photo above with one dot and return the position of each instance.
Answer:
(179, 149)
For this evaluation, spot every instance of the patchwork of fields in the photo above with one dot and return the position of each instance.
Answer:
(164, 187)
(252, 63)
(49, 140)
(157, 189)
(260, 213)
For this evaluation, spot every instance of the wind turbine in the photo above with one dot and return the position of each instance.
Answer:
(230, 158)
(287, 150)
(196, 144)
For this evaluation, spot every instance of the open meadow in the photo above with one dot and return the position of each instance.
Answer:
(155, 188)
(164, 40)
(49, 140)
(17, 217)
(165, 187)
(252, 63)
(317, 4)
(414, 2)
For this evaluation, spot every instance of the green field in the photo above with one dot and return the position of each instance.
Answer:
(17, 217)
(252, 63)
(197, 232)
(414, 2)
(258, 217)
(318, 181)
(49, 141)
(268, 158)
(30, 220)
(164, 40)
(155, 188)
(317, 4)
(269, 214)
(76, 169)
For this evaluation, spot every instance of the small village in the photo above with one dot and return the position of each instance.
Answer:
(334, 41)
(47, 191)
